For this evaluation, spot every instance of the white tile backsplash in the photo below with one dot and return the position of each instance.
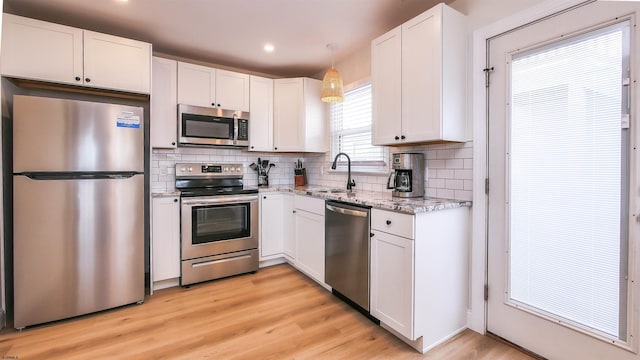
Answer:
(448, 167)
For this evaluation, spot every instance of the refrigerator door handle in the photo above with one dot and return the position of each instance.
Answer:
(78, 175)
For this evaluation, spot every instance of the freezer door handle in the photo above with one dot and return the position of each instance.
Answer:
(78, 175)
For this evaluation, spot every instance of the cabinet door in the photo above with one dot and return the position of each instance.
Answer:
(421, 77)
(261, 114)
(386, 77)
(166, 238)
(164, 99)
(392, 300)
(316, 137)
(289, 227)
(310, 244)
(112, 62)
(272, 228)
(232, 90)
(38, 50)
(288, 115)
(196, 85)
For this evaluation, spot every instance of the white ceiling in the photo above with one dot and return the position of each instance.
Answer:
(233, 32)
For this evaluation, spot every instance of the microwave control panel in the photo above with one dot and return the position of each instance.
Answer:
(243, 129)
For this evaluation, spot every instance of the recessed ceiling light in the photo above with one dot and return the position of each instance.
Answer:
(269, 47)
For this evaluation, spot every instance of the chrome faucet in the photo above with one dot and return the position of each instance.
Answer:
(350, 182)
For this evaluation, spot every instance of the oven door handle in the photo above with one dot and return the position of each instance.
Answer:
(235, 199)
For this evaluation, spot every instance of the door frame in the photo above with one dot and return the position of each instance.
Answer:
(477, 316)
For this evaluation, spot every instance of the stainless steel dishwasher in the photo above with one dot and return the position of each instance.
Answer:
(347, 247)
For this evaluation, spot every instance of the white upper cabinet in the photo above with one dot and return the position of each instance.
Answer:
(196, 85)
(205, 86)
(112, 62)
(299, 120)
(419, 78)
(164, 98)
(232, 90)
(260, 114)
(38, 50)
(386, 76)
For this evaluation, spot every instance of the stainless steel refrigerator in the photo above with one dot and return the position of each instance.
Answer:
(78, 208)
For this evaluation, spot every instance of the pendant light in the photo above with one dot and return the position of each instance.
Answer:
(332, 82)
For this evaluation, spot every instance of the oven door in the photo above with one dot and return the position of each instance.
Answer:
(214, 225)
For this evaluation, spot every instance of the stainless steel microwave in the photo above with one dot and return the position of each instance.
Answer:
(199, 125)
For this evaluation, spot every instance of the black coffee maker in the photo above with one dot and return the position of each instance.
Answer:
(407, 178)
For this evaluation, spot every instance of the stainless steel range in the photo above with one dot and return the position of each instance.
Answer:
(219, 221)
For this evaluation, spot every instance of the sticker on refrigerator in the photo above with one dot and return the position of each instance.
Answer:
(127, 119)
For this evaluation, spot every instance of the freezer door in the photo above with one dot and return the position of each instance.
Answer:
(66, 135)
(78, 247)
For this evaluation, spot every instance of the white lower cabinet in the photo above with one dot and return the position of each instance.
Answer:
(289, 225)
(419, 274)
(165, 238)
(392, 281)
(272, 230)
(276, 226)
(310, 244)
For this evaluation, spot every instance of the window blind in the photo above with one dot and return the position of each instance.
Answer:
(351, 131)
(566, 166)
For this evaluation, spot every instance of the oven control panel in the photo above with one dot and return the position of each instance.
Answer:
(208, 170)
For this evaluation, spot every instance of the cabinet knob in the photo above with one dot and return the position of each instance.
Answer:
(403, 137)
(87, 80)
(397, 138)
(388, 222)
(213, 104)
(294, 211)
(78, 78)
(173, 143)
(371, 234)
(252, 147)
(218, 105)
(264, 197)
(175, 200)
(275, 148)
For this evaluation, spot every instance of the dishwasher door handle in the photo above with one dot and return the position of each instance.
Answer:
(347, 211)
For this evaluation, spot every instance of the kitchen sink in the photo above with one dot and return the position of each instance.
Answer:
(332, 191)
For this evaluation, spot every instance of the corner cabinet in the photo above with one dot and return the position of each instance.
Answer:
(299, 120)
(418, 76)
(419, 274)
(276, 226)
(165, 239)
(209, 87)
(261, 114)
(164, 130)
(43, 51)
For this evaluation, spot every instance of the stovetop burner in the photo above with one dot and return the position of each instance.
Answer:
(207, 179)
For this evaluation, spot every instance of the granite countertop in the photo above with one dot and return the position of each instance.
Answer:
(378, 200)
(165, 194)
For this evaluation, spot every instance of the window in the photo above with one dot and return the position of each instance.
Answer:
(351, 132)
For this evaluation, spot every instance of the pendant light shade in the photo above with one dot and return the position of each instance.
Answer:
(332, 87)
(332, 83)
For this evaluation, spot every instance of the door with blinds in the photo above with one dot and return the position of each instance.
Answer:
(562, 163)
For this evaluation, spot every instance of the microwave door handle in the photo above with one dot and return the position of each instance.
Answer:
(235, 128)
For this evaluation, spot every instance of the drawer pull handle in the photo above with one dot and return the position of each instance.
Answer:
(234, 258)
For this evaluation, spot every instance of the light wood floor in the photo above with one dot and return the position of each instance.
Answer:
(276, 313)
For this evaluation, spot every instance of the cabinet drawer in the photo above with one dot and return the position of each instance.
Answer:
(392, 223)
(309, 204)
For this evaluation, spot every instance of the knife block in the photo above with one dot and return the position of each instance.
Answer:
(300, 177)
